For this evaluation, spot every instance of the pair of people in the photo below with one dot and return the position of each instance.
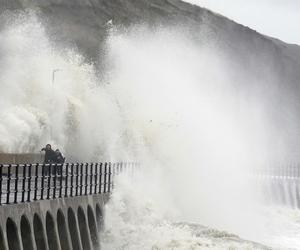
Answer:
(52, 156)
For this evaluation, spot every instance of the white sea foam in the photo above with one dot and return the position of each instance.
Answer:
(165, 101)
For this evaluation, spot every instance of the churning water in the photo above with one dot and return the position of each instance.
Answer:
(165, 100)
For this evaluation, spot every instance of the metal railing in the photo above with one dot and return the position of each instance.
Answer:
(279, 171)
(32, 182)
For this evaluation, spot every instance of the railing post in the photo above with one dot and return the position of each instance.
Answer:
(96, 177)
(24, 183)
(100, 178)
(91, 178)
(54, 181)
(86, 178)
(49, 181)
(72, 181)
(113, 175)
(67, 179)
(8, 183)
(81, 178)
(16, 183)
(43, 182)
(77, 178)
(109, 178)
(1, 179)
(29, 183)
(60, 179)
(36, 181)
(105, 175)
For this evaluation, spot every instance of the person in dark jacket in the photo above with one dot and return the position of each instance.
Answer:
(59, 157)
(50, 155)
(60, 160)
(50, 158)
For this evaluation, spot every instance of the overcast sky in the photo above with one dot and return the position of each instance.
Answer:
(276, 18)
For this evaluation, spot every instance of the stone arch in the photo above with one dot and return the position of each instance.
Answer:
(39, 233)
(12, 235)
(93, 227)
(99, 218)
(2, 240)
(84, 231)
(51, 233)
(74, 231)
(63, 231)
(26, 234)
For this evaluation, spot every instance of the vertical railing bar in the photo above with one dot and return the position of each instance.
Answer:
(36, 181)
(43, 182)
(96, 177)
(1, 179)
(72, 181)
(112, 176)
(49, 182)
(105, 175)
(91, 178)
(29, 183)
(100, 178)
(54, 181)
(77, 177)
(109, 177)
(66, 180)
(61, 168)
(86, 178)
(81, 178)
(16, 183)
(8, 183)
(24, 183)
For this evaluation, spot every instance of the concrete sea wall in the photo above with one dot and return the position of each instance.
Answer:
(70, 223)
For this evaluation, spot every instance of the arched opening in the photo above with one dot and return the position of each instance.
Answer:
(74, 232)
(2, 240)
(99, 218)
(63, 231)
(93, 228)
(39, 233)
(26, 236)
(51, 233)
(83, 228)
(12, 235)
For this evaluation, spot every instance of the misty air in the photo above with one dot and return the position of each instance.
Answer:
(149, 125)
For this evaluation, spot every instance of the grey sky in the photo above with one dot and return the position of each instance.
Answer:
(276, 18)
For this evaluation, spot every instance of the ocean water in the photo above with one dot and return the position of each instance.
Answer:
(135, 221)
(164, 101)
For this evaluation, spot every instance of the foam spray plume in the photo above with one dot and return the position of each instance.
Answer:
(163, 100)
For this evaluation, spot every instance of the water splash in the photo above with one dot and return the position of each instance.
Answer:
(74, 111)
(164, 100)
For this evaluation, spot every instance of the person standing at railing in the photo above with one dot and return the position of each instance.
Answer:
(50, 156)
(60, 160)
(59, 157)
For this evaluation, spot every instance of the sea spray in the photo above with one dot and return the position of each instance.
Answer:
(178, 96)
(71, 109)
(165, 101)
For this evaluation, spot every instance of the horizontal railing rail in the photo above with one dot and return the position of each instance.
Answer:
(284, 171)
(21, 183)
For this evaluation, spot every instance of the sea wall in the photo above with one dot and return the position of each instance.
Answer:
(60, 224)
